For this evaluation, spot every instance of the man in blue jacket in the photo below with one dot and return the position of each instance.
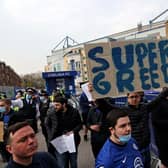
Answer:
(85, 106)
(120, 150)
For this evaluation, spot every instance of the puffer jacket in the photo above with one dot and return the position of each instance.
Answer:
(139, 118)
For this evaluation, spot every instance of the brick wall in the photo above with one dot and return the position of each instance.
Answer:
(8, 77)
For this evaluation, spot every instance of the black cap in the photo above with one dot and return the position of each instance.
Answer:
(43, 93)
(20, 91)
(30, 89)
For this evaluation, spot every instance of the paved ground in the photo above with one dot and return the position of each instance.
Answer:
(85, 157)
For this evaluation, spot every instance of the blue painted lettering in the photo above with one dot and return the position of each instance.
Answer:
(92, 55)
(102, 87)
(123, 67)
(124, 80)
(117, 57)
(141, 52)
(153, 66)
(144, 78)
(163, 47)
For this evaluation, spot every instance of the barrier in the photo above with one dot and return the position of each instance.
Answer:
(9, 91)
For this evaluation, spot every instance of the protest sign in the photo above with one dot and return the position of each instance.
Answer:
(118, 67)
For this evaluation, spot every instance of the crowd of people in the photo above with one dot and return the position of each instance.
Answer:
(119, 136)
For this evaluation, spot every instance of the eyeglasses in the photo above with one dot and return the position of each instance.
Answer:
(131, 97)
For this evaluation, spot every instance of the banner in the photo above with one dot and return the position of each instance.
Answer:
(118, 67)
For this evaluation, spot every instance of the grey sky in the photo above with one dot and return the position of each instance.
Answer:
(30, 29)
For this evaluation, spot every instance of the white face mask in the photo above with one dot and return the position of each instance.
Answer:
(43, 99)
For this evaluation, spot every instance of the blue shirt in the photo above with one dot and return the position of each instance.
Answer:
(119, 156)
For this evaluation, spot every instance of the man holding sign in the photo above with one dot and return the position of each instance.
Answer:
(120, 67)
(86, 102)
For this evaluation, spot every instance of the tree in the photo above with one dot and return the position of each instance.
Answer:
(33, 80)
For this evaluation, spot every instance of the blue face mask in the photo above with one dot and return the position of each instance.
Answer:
(125, 138)
(28, 96)
(2, 109)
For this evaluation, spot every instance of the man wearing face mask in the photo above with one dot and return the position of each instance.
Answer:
(43, 107)
(6, 114)
(29, 109)
(120, 149)
(30, 106)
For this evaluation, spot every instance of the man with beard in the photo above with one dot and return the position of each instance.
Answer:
(21, 142)
(63, 119)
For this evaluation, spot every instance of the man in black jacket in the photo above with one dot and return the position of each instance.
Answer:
(43, 108)
(63, 119)
(96, 122)
(29, 109)
(139, 116)
(160, 125)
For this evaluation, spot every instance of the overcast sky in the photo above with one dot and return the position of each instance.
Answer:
(30, 29)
